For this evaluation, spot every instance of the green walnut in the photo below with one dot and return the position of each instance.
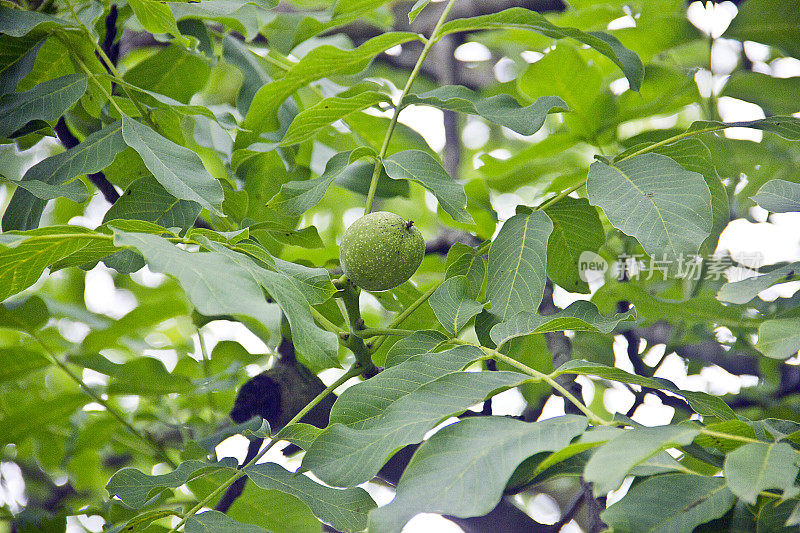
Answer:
(379, 251)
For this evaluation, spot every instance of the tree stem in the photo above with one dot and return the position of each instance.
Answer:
(356, 370)
(206, 369)
(110, 66)
(373, 186)
(406, 313)
(374, 332)
(497, 356)
(53, 358)
(644, 150)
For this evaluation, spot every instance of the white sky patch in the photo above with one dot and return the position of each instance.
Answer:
(509, 402)
(505, 70)
(102, 297)
(626, 21)
(473, 52)
(475, 134)
(735, 110)
(428, 122)
(712, 19)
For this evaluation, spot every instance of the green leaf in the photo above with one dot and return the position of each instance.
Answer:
(611, 462)
(524, 19)
(652, 308)
(361, 404)
(237, 291)
(316, 347)
(566, 72)
(74, 190)
(23, 420)
(95, 153)
(346, 456)
(242, 16)
(297, 197)
(779, 196)
(703, 403)
(178, 169)
(156, 17)
(452, 304)
(462, 469)
(17, 57)
(579, 316)
(300, 434)
(21, 265)
(47, 101)
(421, 167)
(314, 283)
(418, 6)
(210, 521)
(237, 54)
(308, 122)
(345, 510)
(255, 425)
(785, 126)
(772, 22)
(466, 263)
(775, 95)
(759, 466)
(358, 176)
(356, 7)
(517, 264)
(172, 71)
(741, 292)
(775, 517)
(419, 342)
(20, 22)
(29, 315)
(275, 511)
(307, 237)
(670, 502)
(18, 362)
(779, 338)
(146, 199)
(134, 487)
(731, 427)
(502, 109)
(576, 229)
(142, 521)
(143, 375)
(654, 199)
(695, 156)
(325, 60)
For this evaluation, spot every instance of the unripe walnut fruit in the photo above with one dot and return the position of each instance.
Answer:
(379, 251)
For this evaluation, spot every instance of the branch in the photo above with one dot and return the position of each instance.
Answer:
(560, 349)
(708, 351)
(98, 178)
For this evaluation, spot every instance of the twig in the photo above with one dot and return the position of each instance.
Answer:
(53, 358)
(373, 186)
(353, 372)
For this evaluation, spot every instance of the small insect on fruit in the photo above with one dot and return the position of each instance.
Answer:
(381, 250)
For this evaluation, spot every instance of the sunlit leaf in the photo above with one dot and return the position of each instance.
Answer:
(501, 109)
(517, 263)
(419, 166)
(47, 101)
(652, 198)
(346, 510)
(674, 502)
(759, 466)
(462, 470)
